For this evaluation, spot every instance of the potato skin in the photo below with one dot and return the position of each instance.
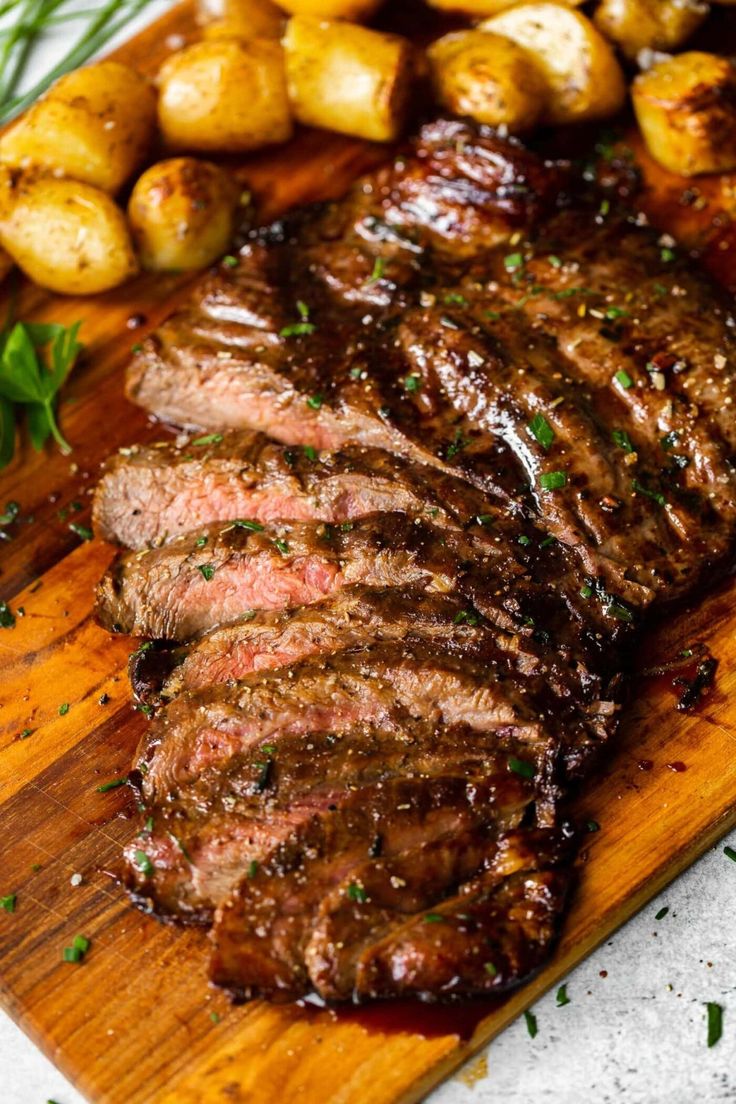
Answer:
(487, 77)
(95, 125)
(636, 25)
(332, 9)
(686, 109)
(224, 95)
(240, 19)
(66, 236)
(182, 214)
(346, 78)
(584, 79)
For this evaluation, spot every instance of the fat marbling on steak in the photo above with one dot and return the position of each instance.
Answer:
(505, 423)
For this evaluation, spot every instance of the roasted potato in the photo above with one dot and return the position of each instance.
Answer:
(332, 9)
(487, 77)
(584, 79)
(66, 235)
(224, 95)
(686, 109)
(240, 19)
(182, 214)
(346, 78)
(96, 125)
(485, 7)
(636, 25)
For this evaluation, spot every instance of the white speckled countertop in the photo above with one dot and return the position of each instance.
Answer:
(634, 1031)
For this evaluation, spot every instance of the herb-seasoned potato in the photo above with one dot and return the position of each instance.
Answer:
(66, 235)
(332, 9)
(182, 214)
(485, 7)
(584, 79)
(686, 108)
(240, 19)
(224, 95)
(96, 125)
(487, 77)
(635, 25)
(346, 78)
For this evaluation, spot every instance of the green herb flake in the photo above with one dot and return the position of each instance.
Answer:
(483, 519)
(521, 767)
(315, 401)
(715, 1022)
(531, 1024)
(252, 868)
(412, 383)
(547, 542)
(524, 540)
(457, 444)
(7, 904)
(540, 429)
(81, 944)
(229, 261)
(554, 261)
(454, 299)
(71, 954)
(251, 526)
(7, 618)
(667, 255)
(25, 733)
(208, 439)
(623, 379)
(63, 709)
(562, 997)
(615, 312)
(282, 546)
(433, 918)
(491, 315)
(656, 496)
(302, 310)
(82, 531)
(113, 784)
(310, 452)
(586, 591)
(662, 913)
(605, 207)
(207, 571)
(616, 609)
(143, 863)
(513, 261)
(137, 348)
(298, 329)
(200, 542)
(12, 509)
(379, 267)
(730, 853)
(215, 1017)
(357, 893)
(621, 438)
(592, 826)
(552, 481)
(491, 969)
(466, 617)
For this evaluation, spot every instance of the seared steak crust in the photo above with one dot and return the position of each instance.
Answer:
(501, 430)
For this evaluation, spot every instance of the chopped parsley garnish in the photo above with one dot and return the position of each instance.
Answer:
(621, 438)
(586, 591)
(466, 617)
(297, 329)
(252, 868)
(63, 709)
(206, 570)
(541, 430)
(12, 509)
(82, 531)
(25, 733)
(111, 785)
(662, 913)
(7, 618)
(552, 481)
(200, 542)
(554, 261)
(656, 496)
(531, 1024)
(454, 299)
(229, 261)
(78, 949)
(483, 519)
(146, 710)
(282, 546)
(310, 452)
(209, 439)
(379, 267)
(412, 382)
(605, 207)
(356, 372)
(215, 1017)
(143, 863)
(616, 609)
(456, 445)
(433, 918)
(592, 826)
(315, 401)
(357, 893)
(623, 379)
(615, 312)
(562, 997)
(667, 254)
(492, 315)
(524, 540)
(521, 767)
(7, 904)
(251, 526)
(730, 853)
(137, 348)
(513, 261)
(715, 1022)
(491, 969)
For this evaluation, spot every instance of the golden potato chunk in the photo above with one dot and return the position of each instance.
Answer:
(240, 19)
(584, 79)
(347, 78)
(96, 124)
(636, 25)
(332, 9)
(224, 95)
(686, 109)
(182, 214)
(67, 236)
(487, 77)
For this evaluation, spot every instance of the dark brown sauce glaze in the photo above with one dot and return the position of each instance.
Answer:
(411, 1017)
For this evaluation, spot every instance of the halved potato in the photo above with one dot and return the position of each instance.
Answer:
(332, 9)
(96, 124)
(240, 19)
(584, 78)
(487, 77)
(636, 25)
(485, 7)
(224, 95)
(66, 235)
(182, 214)
(347, 78)
(686, 109)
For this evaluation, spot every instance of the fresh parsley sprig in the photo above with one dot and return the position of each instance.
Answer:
(31, 382)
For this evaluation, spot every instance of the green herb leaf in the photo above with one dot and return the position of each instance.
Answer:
(521, 767)
(457, 444)
(282, 546)
(7, 617)
(491, 969)
(315, 401)
(412, 383)
(562, 997)
(229, 261)
(592, 826)
(357, 893)
(379, 267)
(552, 481)
(113, 784)
(466, 617)
(82, 531)
(541, 430)
(207, 571)
(71, 954)
(524, 540)
(623, 379)
(252, 868)
(433, 918)
(531, 1024)
(656, 496)
(81, 943)
(63, 709)
(297, 329)
(208, 439)
(621, 438)
(660, 915)
(586, 591)
(7, 904)
(715, 1022)
(252, 526)
(513, 261)
(143, 863)
(667, 255)
(730, 853)
(310, 452)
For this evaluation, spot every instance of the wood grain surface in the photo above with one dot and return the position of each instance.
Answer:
(136, 1022)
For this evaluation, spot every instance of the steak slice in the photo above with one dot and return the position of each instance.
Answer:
(149, 494)
(410, 931)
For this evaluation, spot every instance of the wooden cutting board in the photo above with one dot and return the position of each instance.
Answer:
(136, 1021)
